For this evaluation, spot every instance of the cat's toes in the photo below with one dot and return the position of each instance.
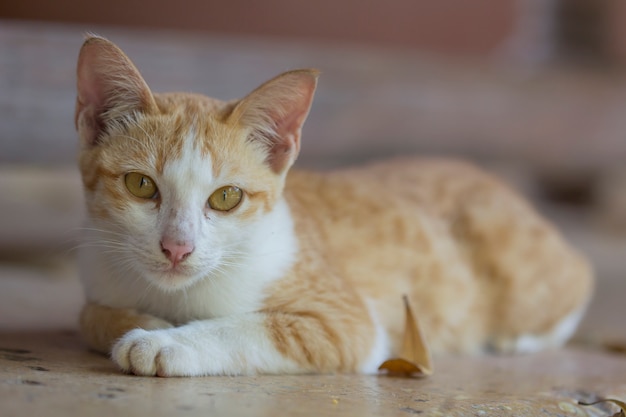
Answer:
(176, 360)
(135, 352)
(149, 353)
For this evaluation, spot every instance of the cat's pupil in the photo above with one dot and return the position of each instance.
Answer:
(224, 194)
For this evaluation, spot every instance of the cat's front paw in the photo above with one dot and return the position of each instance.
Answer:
(154, 352)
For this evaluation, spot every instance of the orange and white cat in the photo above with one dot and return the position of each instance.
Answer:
(206, 256)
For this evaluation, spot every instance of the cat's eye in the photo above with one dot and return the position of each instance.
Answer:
(225, 198)
(140, 185)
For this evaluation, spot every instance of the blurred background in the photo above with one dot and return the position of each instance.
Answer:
(534, 90)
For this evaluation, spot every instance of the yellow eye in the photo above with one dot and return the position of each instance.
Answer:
(140, 185)
(225, 198)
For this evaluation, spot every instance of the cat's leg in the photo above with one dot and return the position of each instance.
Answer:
(539, 286)
(102, 326)
(250, 343)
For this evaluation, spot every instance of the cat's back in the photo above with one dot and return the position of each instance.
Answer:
(386, 215)
(435, 185)
(411, 202)
(458, 241)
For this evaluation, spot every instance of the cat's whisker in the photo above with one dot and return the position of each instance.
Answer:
(111, 248)
(99, 230)
(124, 266)
(96, 243)
(113, 239)
(149, 289)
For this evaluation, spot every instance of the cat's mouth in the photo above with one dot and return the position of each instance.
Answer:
(176, 270)
(171, 277)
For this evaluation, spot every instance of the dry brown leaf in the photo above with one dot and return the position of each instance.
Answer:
(415, 356)
(620, 404)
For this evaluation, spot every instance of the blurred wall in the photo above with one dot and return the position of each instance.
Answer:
(475, 27)
(525, 30)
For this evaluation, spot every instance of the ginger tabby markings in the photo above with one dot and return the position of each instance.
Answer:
(204, 257)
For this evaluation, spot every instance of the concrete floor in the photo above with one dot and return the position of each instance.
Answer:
(49, 373)
(45, 369)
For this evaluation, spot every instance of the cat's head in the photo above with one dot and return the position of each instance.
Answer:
(175, 183)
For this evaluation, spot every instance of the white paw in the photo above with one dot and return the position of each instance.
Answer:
(155, 352)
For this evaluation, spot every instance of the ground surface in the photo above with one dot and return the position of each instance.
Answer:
(51, 374)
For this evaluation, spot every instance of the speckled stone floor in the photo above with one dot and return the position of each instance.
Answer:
(50, 373)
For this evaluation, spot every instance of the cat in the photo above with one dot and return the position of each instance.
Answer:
(205, 254)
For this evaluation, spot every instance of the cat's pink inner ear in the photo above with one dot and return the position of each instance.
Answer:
(276, 112)
(91, 97)
(90, 92)
(108, 86)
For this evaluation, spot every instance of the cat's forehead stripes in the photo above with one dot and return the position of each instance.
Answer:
(185, 119)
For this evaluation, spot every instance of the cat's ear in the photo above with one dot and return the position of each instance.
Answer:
(110, 88)
(275, 113)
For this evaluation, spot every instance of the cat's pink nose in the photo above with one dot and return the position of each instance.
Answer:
(176, 250)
